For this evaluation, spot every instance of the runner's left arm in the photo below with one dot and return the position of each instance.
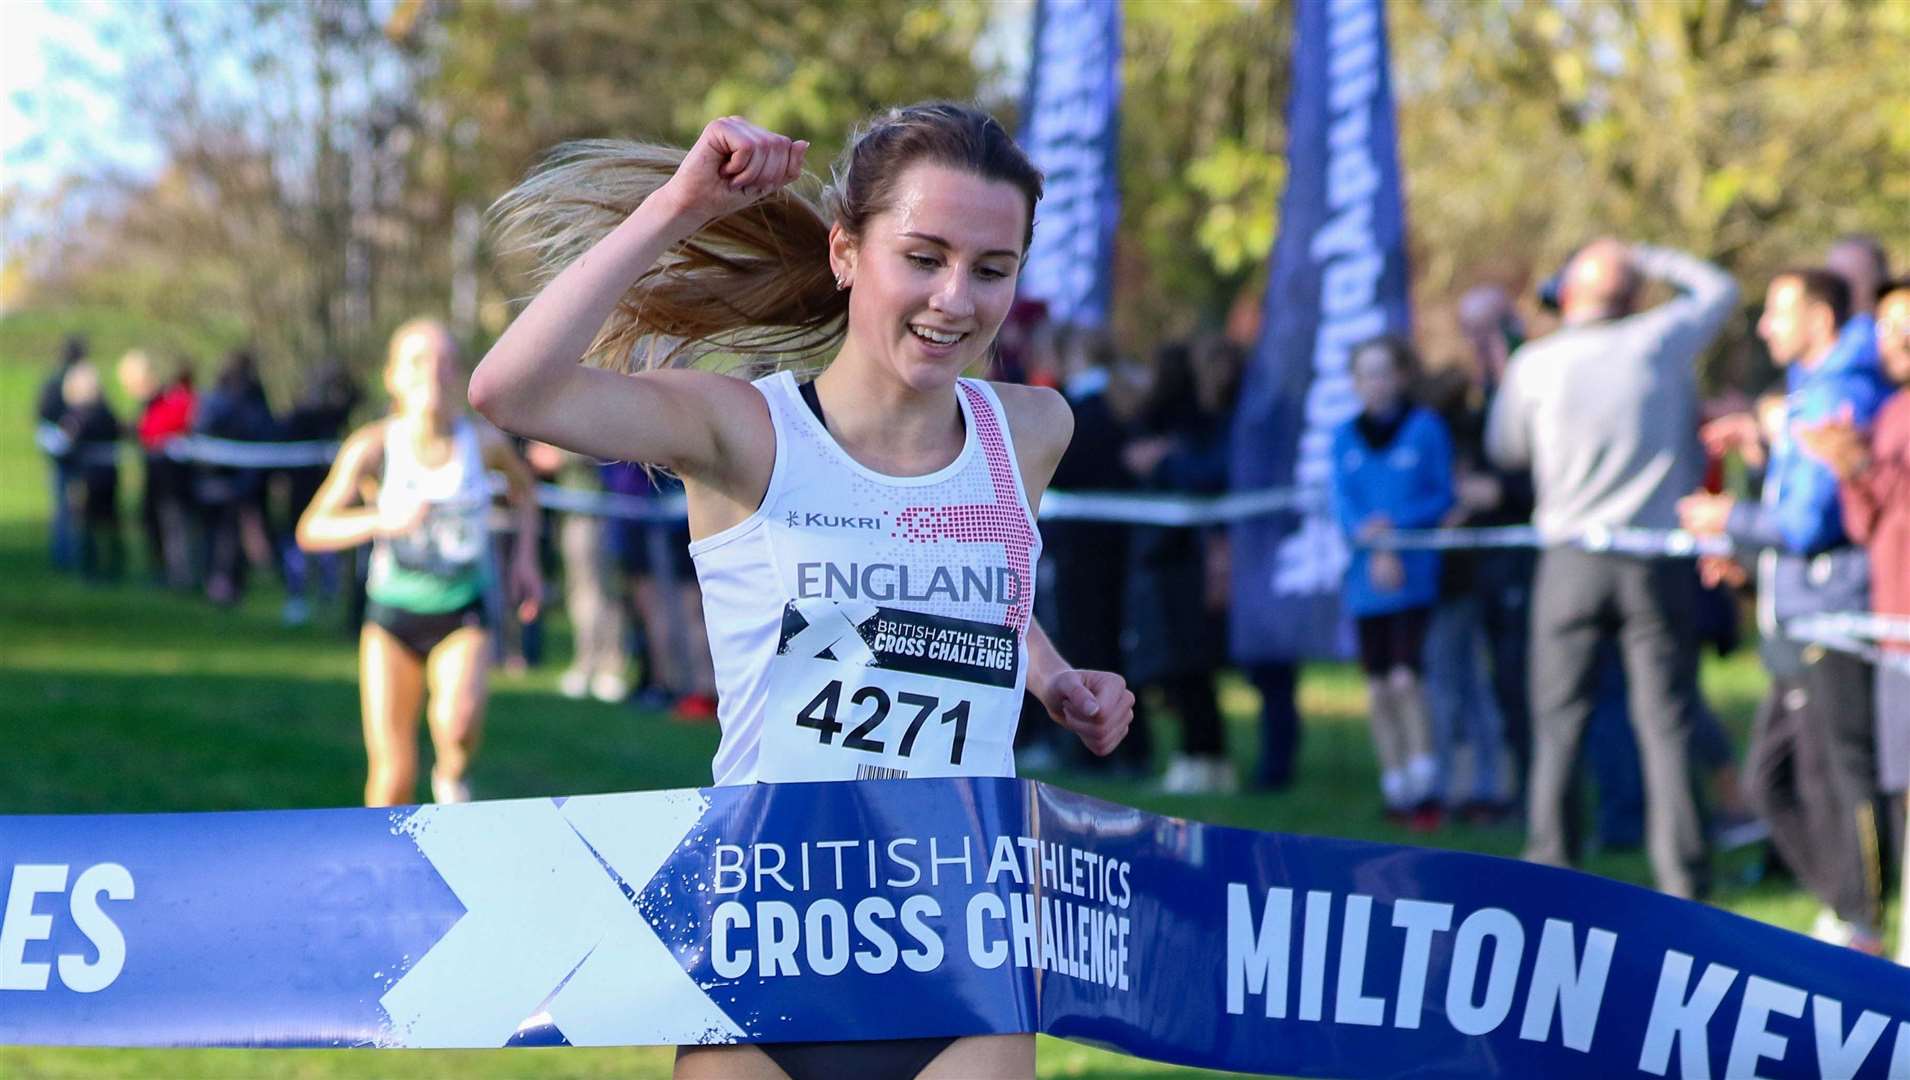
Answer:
(1096, 705)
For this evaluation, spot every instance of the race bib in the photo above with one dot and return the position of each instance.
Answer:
(448, 542)
(861, 692)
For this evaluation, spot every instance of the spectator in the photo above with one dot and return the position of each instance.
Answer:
(50, 411)
(1861, 261)
(92, 431)
(1813, 752)
(591, 596)
(678, 670)
(229, 497)
(1603, 412)
(1025, 350)
(1392, 469)
(1875, 495)
(1176, 619)
(167, 416)
(321, 415)
(1501, 577)
(1476, 650)
(140, 384)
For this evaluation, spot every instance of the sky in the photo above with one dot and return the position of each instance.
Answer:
(58, 114)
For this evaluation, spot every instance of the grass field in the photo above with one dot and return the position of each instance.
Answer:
(127, 698)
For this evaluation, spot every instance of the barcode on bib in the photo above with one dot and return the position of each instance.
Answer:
(880, 772)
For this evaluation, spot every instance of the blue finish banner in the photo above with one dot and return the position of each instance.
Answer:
(1071, 129)
(1338, 278)
(892, 909)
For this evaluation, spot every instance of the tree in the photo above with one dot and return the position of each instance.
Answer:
(1203, 134)
(1752, 131)
(518, 80)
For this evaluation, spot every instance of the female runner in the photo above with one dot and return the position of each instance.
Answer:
(844, 529)
(416, 485)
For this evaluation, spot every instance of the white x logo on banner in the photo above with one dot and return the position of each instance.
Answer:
(547, 928)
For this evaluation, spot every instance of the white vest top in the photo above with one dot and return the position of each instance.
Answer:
(868, 626)
(438, 566)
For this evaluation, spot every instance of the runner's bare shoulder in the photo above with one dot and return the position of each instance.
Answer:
(1042, 424)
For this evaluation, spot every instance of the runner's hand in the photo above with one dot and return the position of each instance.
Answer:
(400, 516)
(1096, 705)
(733, 164)
(527, 588)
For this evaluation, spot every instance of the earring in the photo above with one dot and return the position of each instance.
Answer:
(841, 283)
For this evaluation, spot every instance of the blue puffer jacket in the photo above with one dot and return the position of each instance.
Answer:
(1410, 481)
(1815, 567)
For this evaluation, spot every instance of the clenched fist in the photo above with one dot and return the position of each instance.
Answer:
(733, 164)
(1096, 705)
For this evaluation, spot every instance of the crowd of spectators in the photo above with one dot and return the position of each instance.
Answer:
(1499, 679)
(204, 526)
(211, 525)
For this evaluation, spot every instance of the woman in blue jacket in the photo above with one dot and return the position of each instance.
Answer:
(1392, 469)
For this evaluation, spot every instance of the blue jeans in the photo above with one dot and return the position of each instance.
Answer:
(1464, 709)
(65, 536)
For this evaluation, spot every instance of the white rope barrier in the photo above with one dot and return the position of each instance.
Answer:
(1859, 633)
(1121, 508)
(661, 509)
(1669, 543)
(193, 449)
(1862, 626)
(234, 453)
(1126, 508)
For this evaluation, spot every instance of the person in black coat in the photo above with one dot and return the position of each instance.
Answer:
(50, 410)
(1176, 629)
(322, 414)
(235, 408)
(1090, 558)
(92, 433)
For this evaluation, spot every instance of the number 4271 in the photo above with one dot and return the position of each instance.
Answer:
(820, 716)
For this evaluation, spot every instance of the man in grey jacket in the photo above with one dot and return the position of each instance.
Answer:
(1605, 414)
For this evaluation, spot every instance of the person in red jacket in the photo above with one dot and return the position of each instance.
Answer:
(166, 415)
(1873, 471)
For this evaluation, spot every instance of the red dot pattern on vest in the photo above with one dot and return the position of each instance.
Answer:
(1002, 521)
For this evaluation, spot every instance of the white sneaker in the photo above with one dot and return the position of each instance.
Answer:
(1184, 776)
(1831, 930)
(296, 611)
(574, 684)
(610, 687)
(1393, 789)
(1422, 778)
(445, 791)
(1200, 776)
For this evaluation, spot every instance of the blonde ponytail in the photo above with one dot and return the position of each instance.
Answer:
(754, 284)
